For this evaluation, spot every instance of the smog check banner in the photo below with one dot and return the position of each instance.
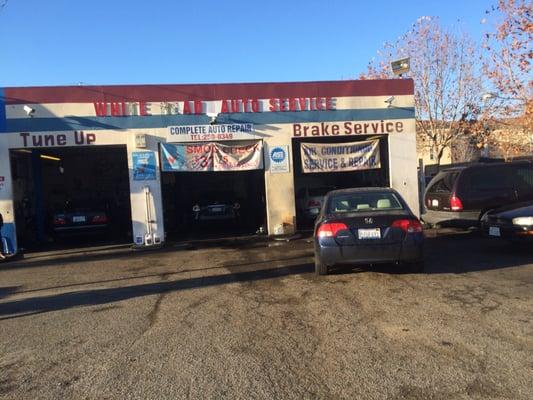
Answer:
(206, 157)
(340, 157)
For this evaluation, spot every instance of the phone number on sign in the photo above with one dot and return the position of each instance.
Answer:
(212, 136)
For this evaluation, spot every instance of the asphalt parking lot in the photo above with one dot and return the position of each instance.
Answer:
(246, 319)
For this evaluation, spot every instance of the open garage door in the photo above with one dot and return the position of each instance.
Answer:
(360, 161)
(71, 196)
(213, 189)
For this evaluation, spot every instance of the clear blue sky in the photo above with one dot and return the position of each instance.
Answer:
(63, 42)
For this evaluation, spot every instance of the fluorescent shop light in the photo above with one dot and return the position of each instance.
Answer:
(50, 158)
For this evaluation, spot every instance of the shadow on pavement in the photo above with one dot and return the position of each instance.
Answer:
(7, 290)
(460, 252)
(463, 252)
(37, 305)
(60, 258)
(124, 251)
(226, 266)
(457, 252)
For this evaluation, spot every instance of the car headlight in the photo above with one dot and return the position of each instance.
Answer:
(523, 221)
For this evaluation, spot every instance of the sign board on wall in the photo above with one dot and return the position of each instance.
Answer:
(143, 166)
(224, 106)
(337, 128)
(340, 157)
(279, 159)
(205, 157)
(54, 139)
(140, 140)
(207, 133)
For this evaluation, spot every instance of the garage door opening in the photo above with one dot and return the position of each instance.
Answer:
(310, 187)
(67, 197)
(207, 203)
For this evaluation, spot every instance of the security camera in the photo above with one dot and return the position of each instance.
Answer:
(212, 117)
(389, 100)
(28, 110)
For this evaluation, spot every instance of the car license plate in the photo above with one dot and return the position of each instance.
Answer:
(374, 233)
(216, 209)
(78, 218)
(434, 203)
(494, 231)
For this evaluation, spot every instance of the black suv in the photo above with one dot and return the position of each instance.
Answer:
(458, 197)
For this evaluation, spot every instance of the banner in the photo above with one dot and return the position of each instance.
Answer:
(207, 157)
(340, 157)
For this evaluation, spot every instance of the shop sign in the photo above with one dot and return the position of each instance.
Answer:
(143, 166)
(140, 140)
(279, 159)
(207, 157)
(79, 138)
(348, 128)
(206, 133)
(199, 107)
(340, 157)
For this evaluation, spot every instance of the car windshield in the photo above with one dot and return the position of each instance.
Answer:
(361, 202)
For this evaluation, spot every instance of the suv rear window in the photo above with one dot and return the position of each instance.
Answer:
(443, 183)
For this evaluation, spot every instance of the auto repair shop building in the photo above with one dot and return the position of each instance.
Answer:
(152, 152)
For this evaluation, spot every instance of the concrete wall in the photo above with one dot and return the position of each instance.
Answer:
(279, 188)
(403, 168)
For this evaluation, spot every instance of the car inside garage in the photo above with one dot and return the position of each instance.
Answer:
(310, 187)
(210, 203)
(71, 196)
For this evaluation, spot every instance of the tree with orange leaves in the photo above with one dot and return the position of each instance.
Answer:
(444, 67)
(508, 67)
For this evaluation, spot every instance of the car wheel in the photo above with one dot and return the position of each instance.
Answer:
(320, 268)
